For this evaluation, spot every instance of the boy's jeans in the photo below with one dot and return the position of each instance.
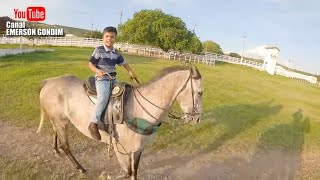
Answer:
(103, 93)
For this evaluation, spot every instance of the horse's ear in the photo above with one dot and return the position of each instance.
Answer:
(195, 72)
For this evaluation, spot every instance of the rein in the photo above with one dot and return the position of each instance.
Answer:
(170, 114)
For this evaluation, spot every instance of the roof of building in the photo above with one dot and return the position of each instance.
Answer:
(272, 47)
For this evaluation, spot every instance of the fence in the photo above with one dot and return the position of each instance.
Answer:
(316, 85)
(208, 58)
(290, 74)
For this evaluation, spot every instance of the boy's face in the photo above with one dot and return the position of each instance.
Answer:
(109, 39)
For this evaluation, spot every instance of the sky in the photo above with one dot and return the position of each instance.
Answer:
(291, 25)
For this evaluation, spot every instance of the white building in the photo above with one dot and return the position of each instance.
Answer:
(270, 65)
(270, 59)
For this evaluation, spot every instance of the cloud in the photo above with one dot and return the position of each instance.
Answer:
(258, 52)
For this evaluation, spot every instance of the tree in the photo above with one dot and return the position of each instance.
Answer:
(155, 28)
(234, 55)
(210, 46)
(195, 45)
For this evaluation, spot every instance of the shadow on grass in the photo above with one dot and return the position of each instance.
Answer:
(287, 137)
(234, 119)
(237, 119)
(277, 155)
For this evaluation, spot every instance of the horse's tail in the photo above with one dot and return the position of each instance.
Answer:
(43, 112)
(43, 117)
(44, 82)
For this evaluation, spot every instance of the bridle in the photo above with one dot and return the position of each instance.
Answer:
(170, 114)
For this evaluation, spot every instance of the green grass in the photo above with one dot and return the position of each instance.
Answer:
(242, 108)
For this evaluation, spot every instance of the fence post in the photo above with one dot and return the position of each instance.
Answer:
(20, 42)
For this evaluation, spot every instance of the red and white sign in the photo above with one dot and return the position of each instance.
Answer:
(31, 14)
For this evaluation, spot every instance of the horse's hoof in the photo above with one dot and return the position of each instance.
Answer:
(81, 170)
(104, 176)
(125, 176)
(57, 155)
(56, 151)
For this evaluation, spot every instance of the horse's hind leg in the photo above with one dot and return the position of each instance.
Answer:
(55, 143)
(55, 140)
(62, 134)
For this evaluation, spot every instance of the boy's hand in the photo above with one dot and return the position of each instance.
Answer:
(132, 75)
(100, 73)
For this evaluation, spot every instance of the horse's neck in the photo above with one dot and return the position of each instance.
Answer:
(161, 93)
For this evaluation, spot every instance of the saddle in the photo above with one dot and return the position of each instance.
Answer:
(90, 86)
(114, 112)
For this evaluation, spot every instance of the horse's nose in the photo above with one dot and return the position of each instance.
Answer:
(198, 120)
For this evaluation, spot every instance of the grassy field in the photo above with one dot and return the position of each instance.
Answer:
(244, 109)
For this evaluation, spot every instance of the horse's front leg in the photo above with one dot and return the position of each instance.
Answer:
(129, 163)
(135, 159)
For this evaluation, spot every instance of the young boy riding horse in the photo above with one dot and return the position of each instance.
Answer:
(102, 63)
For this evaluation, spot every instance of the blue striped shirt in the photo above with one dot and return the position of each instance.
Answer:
(106, 59)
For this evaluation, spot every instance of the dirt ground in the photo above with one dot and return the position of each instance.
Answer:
(27, 146)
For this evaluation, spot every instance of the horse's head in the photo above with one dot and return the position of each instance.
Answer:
(190, 97)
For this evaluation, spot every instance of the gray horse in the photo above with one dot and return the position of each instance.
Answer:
(63, 99)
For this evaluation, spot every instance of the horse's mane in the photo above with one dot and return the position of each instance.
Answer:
(166, 71)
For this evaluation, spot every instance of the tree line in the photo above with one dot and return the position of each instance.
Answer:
(158, 29)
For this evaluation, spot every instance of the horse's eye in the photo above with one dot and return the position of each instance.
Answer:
(200, 93)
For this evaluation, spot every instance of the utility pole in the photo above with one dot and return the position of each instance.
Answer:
(121, 14)
(194, 27)
(91, 30)
(289, 62)
(244, 43)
